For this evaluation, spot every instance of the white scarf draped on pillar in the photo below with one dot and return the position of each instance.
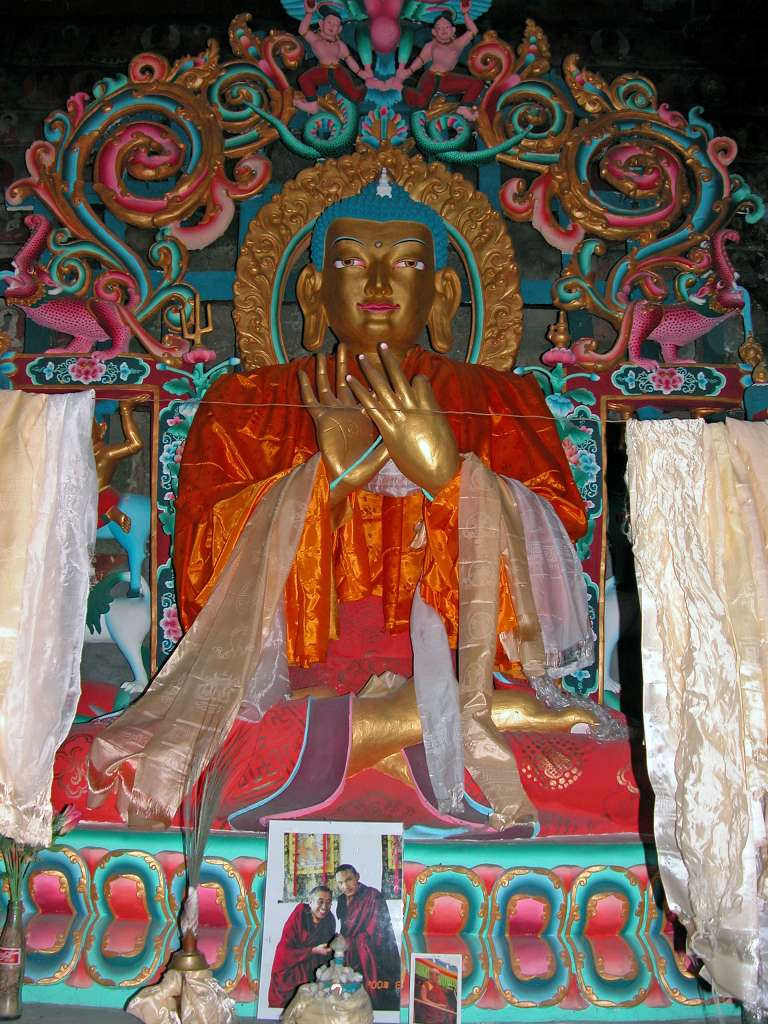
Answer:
(48, 500)
(699, 513)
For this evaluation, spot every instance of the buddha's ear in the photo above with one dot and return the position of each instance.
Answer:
(308, 288)
(447, 299)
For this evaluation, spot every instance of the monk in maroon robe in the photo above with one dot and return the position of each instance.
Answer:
(433, 1005)
(372, 950)
(303, 946)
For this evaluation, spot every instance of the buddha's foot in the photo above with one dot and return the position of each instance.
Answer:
(521, 711)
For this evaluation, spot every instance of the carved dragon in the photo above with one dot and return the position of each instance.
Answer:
(673, 325)
(90, 321)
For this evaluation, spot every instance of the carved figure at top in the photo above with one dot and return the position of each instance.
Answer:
(672, 325)
(357, 457)
(89, 321)
(331, 51)
(442, 53)
(107, 456)
(125, 518)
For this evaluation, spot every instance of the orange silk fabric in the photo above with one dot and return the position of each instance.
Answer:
(251, 430)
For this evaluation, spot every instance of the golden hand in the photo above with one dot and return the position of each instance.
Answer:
(416, 432)
(343, 430)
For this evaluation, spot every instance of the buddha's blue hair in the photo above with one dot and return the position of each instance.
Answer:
(373, 203)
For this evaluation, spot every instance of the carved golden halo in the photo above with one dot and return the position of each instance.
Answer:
(281, 230)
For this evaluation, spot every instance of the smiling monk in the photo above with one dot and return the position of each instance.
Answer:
(303, 945)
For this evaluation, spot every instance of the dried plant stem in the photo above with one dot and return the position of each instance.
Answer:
(198, 811)
(17, 860)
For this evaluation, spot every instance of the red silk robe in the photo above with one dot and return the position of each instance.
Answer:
(365, 923)
(294, 962)
(251, 430)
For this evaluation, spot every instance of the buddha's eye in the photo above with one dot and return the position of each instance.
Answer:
(350, 261)
(410, 264)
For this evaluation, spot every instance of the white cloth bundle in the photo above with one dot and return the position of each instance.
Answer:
(48, 499)
(184, 997)
(699, 514)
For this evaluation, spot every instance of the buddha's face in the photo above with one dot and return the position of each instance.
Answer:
(378, 282)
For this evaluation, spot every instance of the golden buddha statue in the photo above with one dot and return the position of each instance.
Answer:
(336, 510)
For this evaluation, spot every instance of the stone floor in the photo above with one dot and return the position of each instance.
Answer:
(39, 1013)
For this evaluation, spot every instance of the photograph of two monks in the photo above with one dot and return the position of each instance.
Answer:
(333, 895)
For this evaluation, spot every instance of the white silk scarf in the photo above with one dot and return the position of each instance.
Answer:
(48, 498)
(699, 508)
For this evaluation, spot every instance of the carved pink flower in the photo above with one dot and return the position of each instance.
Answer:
(571, 451)
(170, 624)
(666, 379)
(86, 370)
(200, 355)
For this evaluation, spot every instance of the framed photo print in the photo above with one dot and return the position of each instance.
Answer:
(328, 878)
(435, 988)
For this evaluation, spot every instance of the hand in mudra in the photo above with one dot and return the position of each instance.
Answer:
(416, 433)
(344, 431)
